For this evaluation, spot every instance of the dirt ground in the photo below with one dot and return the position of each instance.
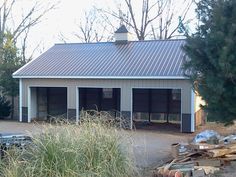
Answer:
(18, 127)
(151, 146)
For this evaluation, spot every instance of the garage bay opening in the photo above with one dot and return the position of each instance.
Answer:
(100, 99)
(157, 108)
(47, 103)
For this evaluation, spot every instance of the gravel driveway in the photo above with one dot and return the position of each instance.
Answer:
(150, 147)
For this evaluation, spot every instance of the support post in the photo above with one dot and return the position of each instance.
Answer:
(149, 104)
(72, 103)
(47, 97)
(29, 104)
(77, 106)
(192, 111)
(126, 107)
(168, 105)
(20, 100)
(100, 95)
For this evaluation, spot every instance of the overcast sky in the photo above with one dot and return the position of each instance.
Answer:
(63, 20)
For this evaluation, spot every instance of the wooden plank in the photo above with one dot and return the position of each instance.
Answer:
(232, 146)
(208, 162)
(229, 157)
(182, 166)
(169, 165)
(185, 159)
(221, 152)
(205, 146)
(208, 169)
(218, 152)
(198, 173)
(184, 163)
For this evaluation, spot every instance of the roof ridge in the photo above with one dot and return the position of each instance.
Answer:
(156, 40)
(76, 43)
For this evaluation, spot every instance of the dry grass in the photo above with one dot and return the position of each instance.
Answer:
(96, 148)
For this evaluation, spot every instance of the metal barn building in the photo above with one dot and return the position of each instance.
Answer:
(129, 77)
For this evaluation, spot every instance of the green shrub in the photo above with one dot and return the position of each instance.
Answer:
(89, 150)
(5, 107)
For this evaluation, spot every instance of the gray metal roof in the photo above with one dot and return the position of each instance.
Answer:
(137, 59)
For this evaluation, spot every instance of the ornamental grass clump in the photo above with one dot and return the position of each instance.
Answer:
(92, 149)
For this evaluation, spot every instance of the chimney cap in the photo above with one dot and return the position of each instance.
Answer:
(122, 29)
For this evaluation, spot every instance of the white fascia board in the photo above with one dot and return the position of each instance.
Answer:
(101, 77)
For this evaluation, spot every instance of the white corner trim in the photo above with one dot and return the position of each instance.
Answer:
(102, 77)
(29, 105)
(20, 100)
(181, 109)
(192, 111)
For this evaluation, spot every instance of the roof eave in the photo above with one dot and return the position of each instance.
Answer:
(102, 77)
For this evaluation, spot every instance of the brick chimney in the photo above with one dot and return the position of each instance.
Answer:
(121, 35)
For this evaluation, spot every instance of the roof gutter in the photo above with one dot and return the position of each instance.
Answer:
(103, 77)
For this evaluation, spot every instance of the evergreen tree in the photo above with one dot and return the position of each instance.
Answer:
(9, 63)
(211, 58)
(5, 107)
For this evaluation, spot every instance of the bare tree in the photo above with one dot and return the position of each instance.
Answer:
(156, 19)
(29, 56)
(92, 29)
(29, 19)
(62, 37)
(170, 19)
(14, 32)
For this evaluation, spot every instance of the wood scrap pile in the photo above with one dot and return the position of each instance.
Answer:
(199, 159)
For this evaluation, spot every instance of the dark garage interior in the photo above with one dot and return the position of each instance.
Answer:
(51, 102)
(156, 106)
(100, 99)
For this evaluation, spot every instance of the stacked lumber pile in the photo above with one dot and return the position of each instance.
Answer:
(198, 159)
